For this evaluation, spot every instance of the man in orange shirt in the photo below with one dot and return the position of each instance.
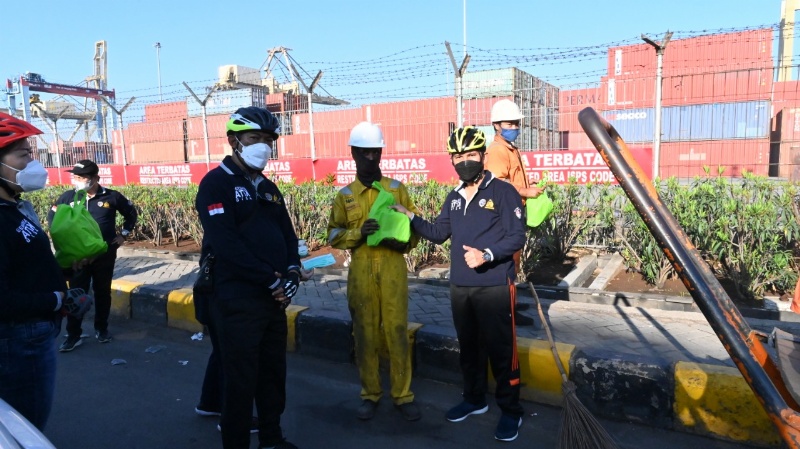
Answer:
(504, 161)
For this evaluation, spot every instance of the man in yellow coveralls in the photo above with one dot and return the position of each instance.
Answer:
(377, 280)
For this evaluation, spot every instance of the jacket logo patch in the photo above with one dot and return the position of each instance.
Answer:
(518, 213)
(27, 230)
(455, 204)
(214, 209)
(104, 205)
(242, 194)
(489, 205)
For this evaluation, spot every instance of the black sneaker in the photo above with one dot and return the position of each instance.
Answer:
(367, 410)
(102, 336)
(70, 343)
(253, 425)
(464, 409)
(507, 428)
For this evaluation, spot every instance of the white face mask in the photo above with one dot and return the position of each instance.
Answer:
(80, 185)
(32, 177)
(255, 155)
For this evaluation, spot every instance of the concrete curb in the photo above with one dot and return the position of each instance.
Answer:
(703, 399)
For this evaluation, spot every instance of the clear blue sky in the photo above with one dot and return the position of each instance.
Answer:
(56, 38)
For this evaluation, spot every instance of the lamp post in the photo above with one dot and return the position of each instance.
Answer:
(158, 64)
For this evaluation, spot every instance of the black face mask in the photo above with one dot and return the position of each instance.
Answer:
(469, 171)
(367, 170)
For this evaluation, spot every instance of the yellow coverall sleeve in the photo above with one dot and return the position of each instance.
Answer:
(340, 235)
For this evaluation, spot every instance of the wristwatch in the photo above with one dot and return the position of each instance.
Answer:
(487, 256)
(125, 233)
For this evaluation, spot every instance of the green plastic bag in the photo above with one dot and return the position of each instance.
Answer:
(393, 224)
(76, 235)
(538, 209)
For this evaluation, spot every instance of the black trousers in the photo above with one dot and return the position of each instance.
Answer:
(97, 274)
(252, 342)
(211, 393)
(487, 335)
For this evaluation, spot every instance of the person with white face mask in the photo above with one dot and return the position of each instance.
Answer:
(256, 272)
(33, 285)
(103, 205)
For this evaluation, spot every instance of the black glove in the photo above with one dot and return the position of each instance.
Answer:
(76, 302)
(291, 283)
(369, 227)
(394, 244)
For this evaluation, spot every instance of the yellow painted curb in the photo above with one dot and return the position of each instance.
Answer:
(291, 321)
(541, 379)
(121, 297)
(716, 400)
(180, 311)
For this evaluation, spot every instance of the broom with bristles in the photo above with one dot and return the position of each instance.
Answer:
(579, 428)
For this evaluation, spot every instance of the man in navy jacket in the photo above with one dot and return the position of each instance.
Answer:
(483, 218)
(256, 272)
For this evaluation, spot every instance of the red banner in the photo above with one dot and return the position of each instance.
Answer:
(582, 166)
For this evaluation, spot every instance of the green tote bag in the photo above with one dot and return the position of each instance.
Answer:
(393, 224)
(76, 235)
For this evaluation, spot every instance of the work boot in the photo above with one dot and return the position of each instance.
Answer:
(367, 410)
(410, 411)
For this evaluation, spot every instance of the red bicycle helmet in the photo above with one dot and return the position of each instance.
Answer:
(13, 129)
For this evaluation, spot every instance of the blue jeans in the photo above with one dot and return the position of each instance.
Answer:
(28, 368)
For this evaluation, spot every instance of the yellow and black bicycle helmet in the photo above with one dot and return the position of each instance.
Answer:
(468, 138)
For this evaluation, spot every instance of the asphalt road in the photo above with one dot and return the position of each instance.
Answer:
(148, 403)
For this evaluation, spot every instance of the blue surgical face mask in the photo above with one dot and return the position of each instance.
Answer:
(509, 134)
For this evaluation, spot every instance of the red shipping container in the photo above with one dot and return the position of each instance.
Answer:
(218, 148)
(294, 146)
(165, 112)
(163, 131)
(687, 159)
(215, 123)
(416, 139)
(327, 144)
(416, 112)
(742, 50)
(328, 121)
(149, 152)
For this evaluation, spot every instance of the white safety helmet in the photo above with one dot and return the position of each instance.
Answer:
(506, 111)
(366, 135)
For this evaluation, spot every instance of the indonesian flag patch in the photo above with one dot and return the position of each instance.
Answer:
(215, 209)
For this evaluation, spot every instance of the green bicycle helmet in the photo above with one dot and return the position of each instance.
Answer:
(253, 118)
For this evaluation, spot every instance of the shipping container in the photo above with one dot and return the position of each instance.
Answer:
(747, 120)
(161, 131)
(687, 159)
(294, 146)
(165, 112)
(634, 125)
(227, 101)
(216, 126)
(150, 152)
(477, 111)
(438, 111)
(416, 139)
(751, 49)
(327, 121)
(218, 148)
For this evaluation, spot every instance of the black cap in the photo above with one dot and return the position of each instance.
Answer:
(84, 168)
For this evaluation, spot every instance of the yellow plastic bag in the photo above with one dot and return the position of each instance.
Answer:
(393, 224)
(538, 209)
(76, 235)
